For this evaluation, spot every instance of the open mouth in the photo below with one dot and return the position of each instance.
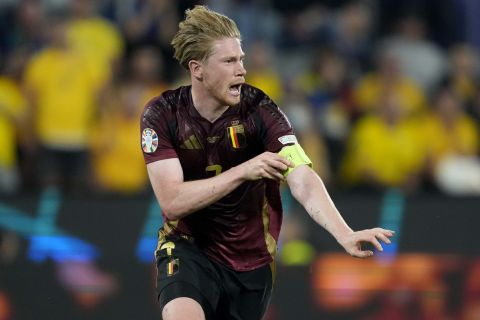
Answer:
(235, 89)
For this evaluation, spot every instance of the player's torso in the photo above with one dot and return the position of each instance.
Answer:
(206, 149)
(233, 229)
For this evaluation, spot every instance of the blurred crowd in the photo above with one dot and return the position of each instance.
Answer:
(381, 93)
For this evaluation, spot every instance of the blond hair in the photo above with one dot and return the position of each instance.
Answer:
(194, 38)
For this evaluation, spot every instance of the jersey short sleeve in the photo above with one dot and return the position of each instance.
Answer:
(276, 132)
(275, 129)
(157, 124)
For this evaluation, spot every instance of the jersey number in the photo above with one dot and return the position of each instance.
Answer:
(215, 168)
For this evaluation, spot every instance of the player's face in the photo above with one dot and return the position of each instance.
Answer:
(223, 71)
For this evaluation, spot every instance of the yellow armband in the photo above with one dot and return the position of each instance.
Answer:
(296, 155)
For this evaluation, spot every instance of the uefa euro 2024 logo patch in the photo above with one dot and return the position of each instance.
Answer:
(149, 140)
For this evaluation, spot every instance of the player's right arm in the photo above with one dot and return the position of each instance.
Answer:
(180, 198)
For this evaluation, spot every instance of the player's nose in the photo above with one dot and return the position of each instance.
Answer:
(241, 71)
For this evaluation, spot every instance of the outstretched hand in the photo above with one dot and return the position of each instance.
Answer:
(352, 242)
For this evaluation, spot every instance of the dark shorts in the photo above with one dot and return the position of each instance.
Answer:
(185, 271)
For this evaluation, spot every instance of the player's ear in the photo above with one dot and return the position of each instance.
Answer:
(195, 68)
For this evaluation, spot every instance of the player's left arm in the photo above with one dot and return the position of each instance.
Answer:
(309, 190)
(306, 186)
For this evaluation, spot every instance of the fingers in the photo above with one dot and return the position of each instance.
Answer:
(379, 234)
(365, 254)
(276, 157)
(276, 164)
(287, 162)
(372, 236)
(384, 238)
(373, 240)
(270, 165)
(361, 253)
(386, 232)
(278, 161)
(353, 242)
(272, 173)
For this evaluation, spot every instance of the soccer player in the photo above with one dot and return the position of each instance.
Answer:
(216, 153)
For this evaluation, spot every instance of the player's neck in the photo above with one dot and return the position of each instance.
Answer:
(208, 107)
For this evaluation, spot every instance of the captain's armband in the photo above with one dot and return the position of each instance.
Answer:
(296, 155)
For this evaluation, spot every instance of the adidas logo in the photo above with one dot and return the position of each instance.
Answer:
(191, 143)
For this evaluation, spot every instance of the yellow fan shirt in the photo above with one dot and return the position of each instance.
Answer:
(12, 106)
(461, 139)
(268, 81)
(390, 154)
(65, 87)
(117, 161)
(97, 38)
(370, 87)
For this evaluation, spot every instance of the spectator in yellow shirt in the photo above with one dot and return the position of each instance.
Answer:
(464, 73)
(63, 89)
(261, 74)
(116, 143)
(449, 130)
(12, 112)
(93, 36)
(388, 77)
(384, 149)
(453, 145)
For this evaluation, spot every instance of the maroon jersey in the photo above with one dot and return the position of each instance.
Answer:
(241, 229)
